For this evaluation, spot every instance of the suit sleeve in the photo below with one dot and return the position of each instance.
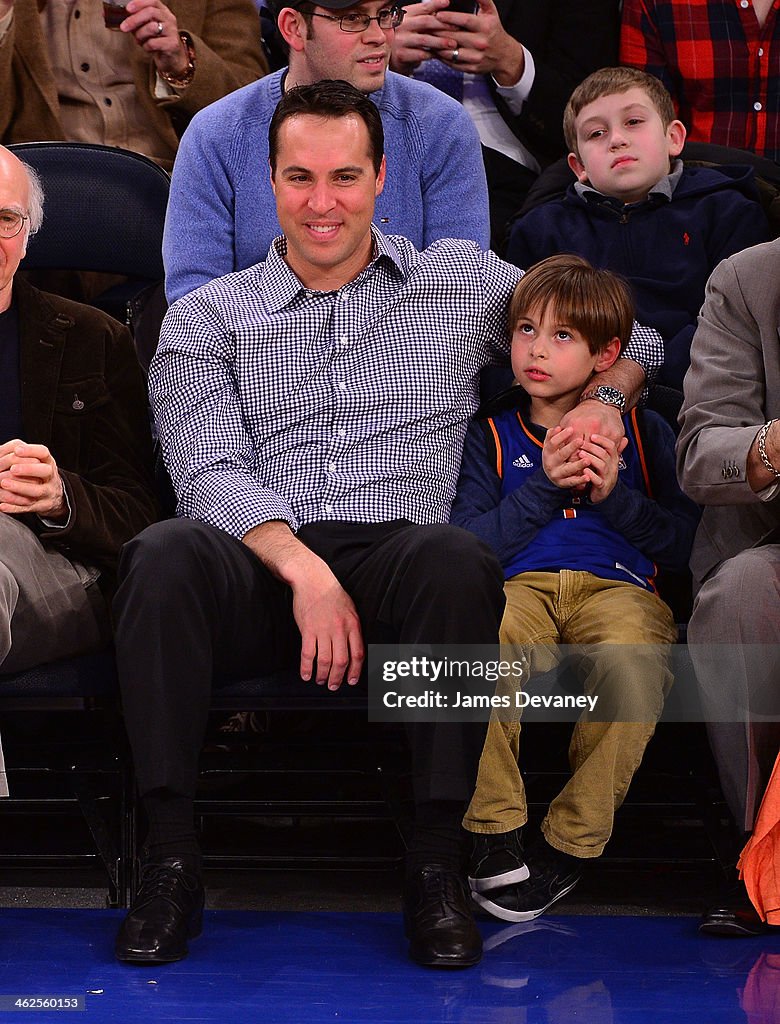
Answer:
(724, 394)
(568, 40)
(7, 79)
(228, 54)
(114, 498)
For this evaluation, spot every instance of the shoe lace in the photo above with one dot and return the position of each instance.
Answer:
(445, 887)
(163, 881)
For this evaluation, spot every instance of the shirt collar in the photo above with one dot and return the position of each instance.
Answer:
(662, 191)
(279, 285)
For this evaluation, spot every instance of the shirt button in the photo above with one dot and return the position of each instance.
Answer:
(85, 66)
(761, 51)
(757, 106)
(77, 14)
(342, 432)
(328, 509)
(107, 101)
(744, 3)
(331, 467)
(344, 339)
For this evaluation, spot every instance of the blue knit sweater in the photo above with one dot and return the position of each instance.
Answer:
(222, 214)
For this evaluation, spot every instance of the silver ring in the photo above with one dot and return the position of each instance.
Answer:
(455, 54)
(159, 31)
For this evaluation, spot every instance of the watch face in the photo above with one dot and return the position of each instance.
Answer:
(609, 396)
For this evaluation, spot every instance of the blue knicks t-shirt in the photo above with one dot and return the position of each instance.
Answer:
(578, 537)
(10, 377)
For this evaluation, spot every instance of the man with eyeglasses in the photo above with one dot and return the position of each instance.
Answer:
(222, 215)
(75, 453)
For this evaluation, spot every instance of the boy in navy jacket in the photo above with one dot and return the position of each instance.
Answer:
(579, 525)
(637, 210)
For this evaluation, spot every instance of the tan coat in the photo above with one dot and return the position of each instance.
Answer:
(226, 34)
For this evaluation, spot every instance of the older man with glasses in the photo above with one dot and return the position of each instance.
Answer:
(75, 452)
(435, 186)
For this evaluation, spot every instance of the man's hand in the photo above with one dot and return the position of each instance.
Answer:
(483, 47)
(30, 481)
(602, 458)
(324, 612)
(560, 459)
(593, 417)
(164, 47)
(329, 626)
(420, 36)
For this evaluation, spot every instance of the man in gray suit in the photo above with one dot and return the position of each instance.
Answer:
(729, 461)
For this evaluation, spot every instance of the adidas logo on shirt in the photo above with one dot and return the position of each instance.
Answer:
(523, 462)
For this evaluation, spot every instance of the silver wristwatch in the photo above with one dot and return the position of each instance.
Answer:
(608, 396)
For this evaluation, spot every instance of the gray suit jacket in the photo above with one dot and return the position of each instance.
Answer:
(731, 389)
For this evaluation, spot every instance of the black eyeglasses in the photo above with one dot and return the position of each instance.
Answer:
(390, 17)
(11, 223)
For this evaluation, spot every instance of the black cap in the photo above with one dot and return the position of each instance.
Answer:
(331, 5)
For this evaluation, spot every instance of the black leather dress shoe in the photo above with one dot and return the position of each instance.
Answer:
(438, 919)
(167, 911)
(733, 916)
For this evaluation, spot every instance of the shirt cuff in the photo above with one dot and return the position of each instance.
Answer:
(768, 492)
(50, 524)
(515, 95)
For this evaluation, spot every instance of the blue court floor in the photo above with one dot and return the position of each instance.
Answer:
(351, 967)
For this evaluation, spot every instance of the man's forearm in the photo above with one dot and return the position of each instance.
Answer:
(280, 551)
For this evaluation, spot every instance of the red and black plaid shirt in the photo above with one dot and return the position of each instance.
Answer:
(721, 67)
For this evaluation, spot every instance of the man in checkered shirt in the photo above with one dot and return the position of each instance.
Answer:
(312, 412)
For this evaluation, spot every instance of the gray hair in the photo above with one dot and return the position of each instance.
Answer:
(35, 205)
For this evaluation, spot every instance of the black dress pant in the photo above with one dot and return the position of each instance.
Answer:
(194, 605)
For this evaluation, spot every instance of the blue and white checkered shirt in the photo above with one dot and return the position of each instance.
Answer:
(273, 401)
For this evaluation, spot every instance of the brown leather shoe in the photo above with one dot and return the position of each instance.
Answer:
(167, 911)
(438, 921)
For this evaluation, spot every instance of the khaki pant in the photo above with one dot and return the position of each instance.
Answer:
(545, 609)
(50, 607)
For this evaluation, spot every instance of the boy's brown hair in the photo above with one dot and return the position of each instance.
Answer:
(607, 82)
(597, 303)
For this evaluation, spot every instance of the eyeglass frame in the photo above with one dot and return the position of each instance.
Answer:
(23, 217)
(398, 11)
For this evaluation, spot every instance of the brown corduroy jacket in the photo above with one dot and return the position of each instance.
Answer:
(226, 36)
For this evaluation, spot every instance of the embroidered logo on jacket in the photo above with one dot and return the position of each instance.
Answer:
(523, 462)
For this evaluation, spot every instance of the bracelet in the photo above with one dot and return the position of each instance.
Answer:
(761, 445)
(182, 81)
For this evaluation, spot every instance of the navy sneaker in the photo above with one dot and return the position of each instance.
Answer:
(497, 860)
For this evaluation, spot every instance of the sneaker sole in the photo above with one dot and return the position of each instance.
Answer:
(499, 881)
(496, 910)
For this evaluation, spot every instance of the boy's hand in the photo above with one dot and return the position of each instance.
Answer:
(601, 456)
(560, 459)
